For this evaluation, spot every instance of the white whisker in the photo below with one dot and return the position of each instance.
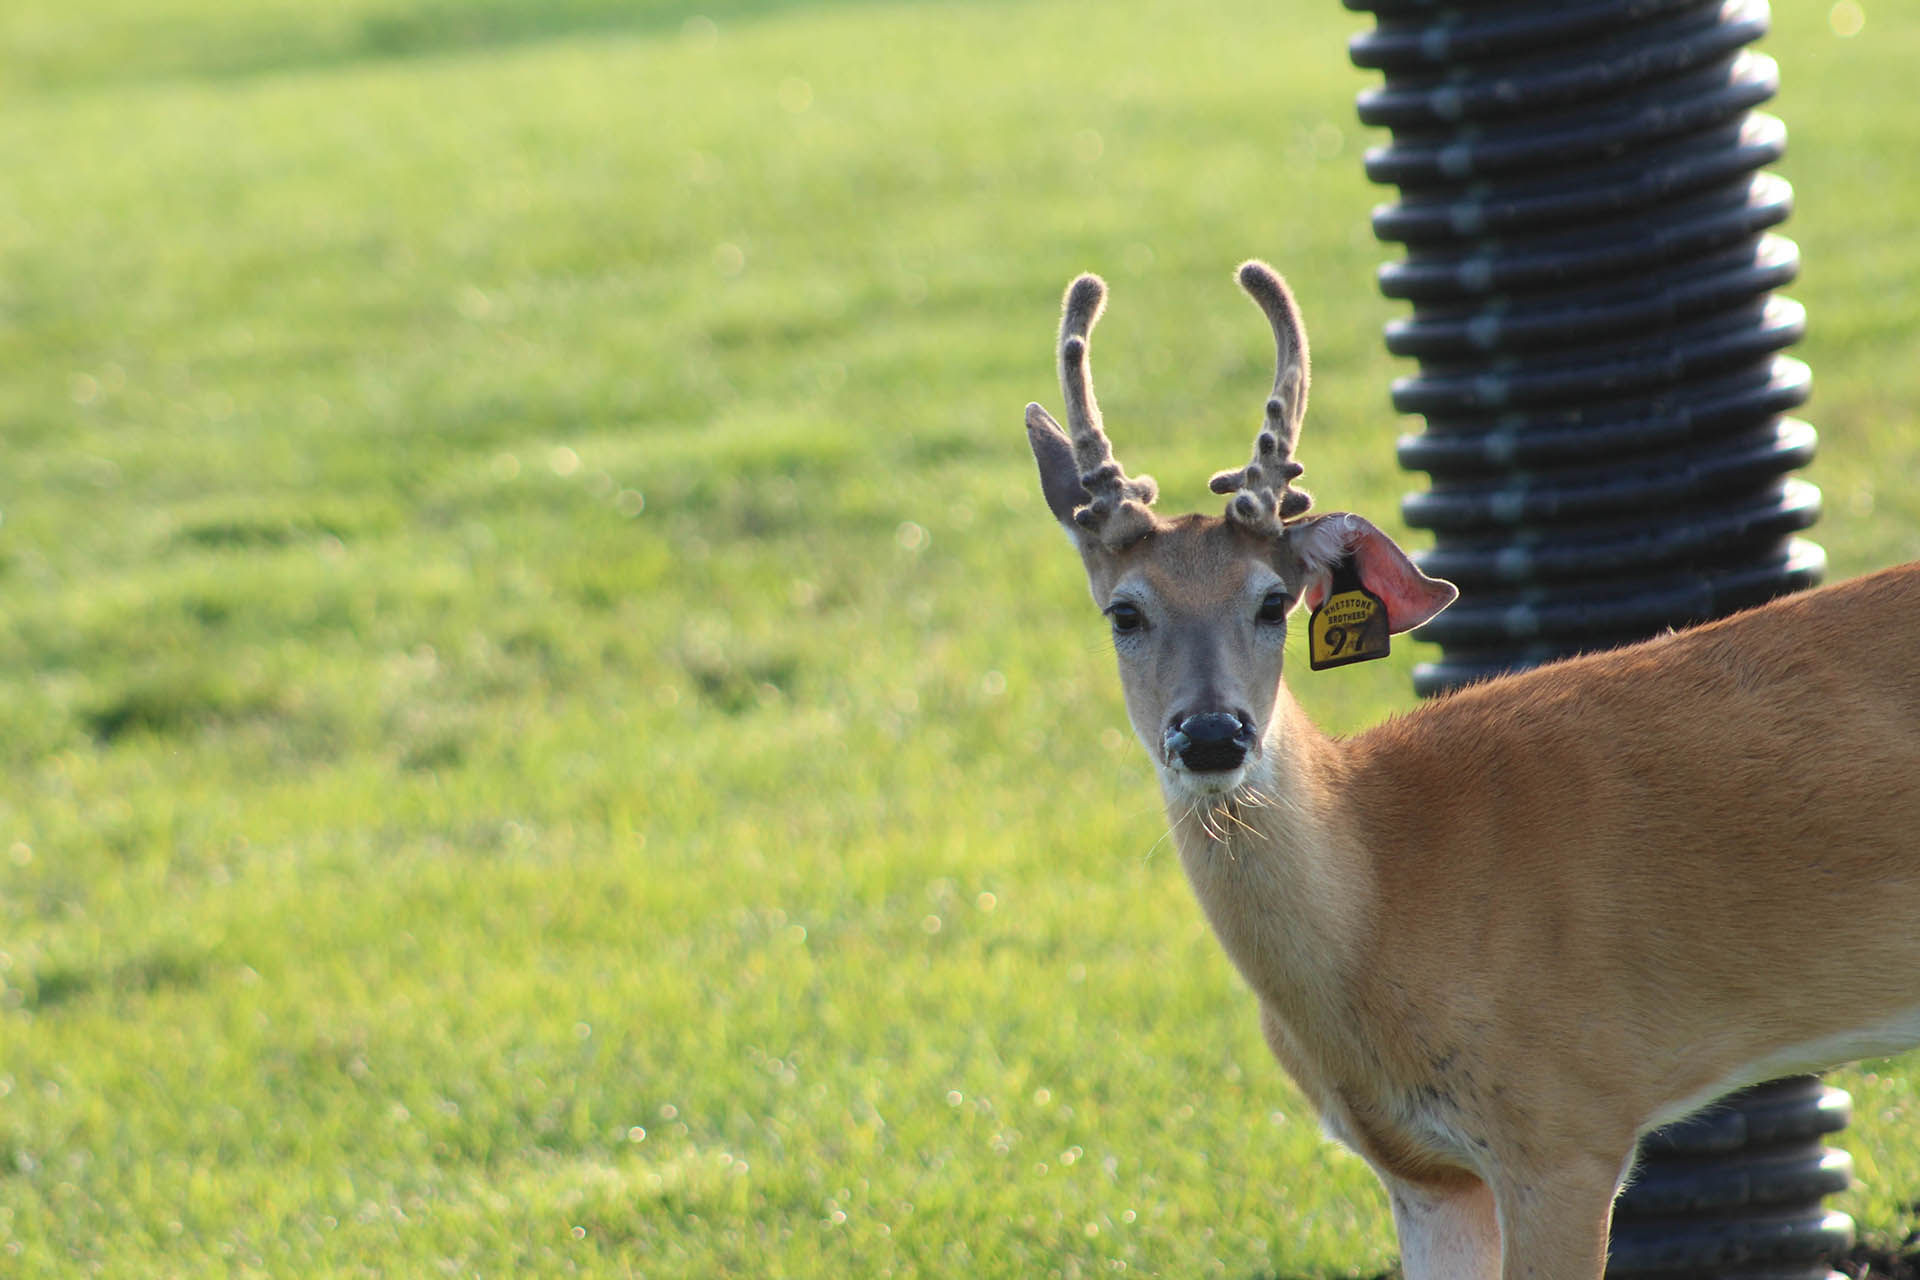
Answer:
(1237, 820)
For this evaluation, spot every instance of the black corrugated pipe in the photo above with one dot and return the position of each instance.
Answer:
(1591, 265)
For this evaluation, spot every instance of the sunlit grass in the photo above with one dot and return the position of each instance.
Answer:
(546, 726)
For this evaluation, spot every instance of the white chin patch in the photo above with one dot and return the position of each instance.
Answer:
(1185, 781)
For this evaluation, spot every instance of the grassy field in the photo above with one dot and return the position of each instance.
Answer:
(546, 728)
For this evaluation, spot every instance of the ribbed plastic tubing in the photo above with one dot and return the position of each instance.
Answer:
(1591, 255)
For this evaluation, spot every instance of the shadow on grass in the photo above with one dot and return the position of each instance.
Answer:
(272, 42)
(1889, 1257)
(419, 30)
(141, 975)
(176, 703)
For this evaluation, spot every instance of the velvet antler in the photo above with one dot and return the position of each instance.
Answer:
(1116, 507)
(1263, 493)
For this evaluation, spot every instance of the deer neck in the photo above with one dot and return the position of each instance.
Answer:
(1279, 876)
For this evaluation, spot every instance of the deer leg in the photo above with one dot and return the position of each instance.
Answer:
(1450, 1234)
(1554, 1223)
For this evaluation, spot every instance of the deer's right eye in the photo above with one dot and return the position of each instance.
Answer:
(1126, 618)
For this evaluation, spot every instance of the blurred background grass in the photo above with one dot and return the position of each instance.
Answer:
(546, 726)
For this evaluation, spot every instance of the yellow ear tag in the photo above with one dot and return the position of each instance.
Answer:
(1349, 626)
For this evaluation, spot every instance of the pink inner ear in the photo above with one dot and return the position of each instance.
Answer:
(1411, 597)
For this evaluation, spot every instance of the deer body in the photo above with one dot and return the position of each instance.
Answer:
(1497, 938)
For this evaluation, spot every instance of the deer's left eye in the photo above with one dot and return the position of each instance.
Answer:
(1273, 609)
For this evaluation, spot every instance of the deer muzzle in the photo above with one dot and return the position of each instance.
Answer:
(1213, 742)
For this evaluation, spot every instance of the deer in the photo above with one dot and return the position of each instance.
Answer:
(1498, 937)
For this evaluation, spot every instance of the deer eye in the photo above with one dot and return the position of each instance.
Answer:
(1273, 609)
(1126, 617)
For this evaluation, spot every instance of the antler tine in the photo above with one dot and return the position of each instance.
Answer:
(1117, 511)
(1263, 490)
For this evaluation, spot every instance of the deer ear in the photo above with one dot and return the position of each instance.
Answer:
(1322, 542)
(1059, 473)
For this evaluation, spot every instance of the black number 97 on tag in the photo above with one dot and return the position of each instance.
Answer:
(1349, 626)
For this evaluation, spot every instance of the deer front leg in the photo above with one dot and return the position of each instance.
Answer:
(1554, 1222)
(1450, 1234)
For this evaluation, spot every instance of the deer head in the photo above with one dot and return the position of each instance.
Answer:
(1199, 604)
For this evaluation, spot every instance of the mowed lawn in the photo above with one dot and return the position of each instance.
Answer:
(546, 727)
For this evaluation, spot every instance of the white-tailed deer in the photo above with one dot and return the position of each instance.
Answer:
(1497, 938)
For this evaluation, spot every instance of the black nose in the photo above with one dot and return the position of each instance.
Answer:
(1211, 743)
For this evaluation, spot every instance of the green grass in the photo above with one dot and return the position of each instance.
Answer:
(545, 726)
